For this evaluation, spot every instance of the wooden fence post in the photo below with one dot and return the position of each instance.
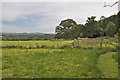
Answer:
(109, 44)
(18, 45)
(57, 45)
(78, 43)
(101, 44)
(105, 44)
(60, 43)
(37, 45)
(74, 42)
(30, 46)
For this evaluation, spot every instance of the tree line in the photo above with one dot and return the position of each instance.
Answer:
(69, 29)
(26, 37)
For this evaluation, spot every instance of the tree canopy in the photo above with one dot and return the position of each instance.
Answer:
(69, 29)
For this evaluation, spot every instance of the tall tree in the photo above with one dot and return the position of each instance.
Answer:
(92, 28)
(63, 30)
(77, 31)
(111, 29)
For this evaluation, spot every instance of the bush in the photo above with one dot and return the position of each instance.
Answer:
(52, 47)
(115, 57)
(90, 47)
(12, 46)
(65, 46)
(44, 46)
(112, 49)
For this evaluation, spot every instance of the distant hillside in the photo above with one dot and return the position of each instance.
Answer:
(26, 36)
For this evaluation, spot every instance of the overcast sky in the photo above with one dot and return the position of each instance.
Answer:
(45, 16)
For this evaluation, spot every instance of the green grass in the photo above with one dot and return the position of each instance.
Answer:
(84, 43)
(115, 57)
(108, 65)
(68, 63)
(85, 62)
(33, 43)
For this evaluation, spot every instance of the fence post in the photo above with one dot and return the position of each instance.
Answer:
(105, 44)
(60, 43)
(101, 44)
(108, 44)
(37, 45)
(18, 45)
(74, 42)
(78, 43)
(57, 45)
(30, 46)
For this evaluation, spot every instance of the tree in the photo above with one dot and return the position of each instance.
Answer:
(64, 29)
(110, 29)
(102, 24)
(91, 28)
(77, 31)
(118, 21)
(4, 38)
(112, 4)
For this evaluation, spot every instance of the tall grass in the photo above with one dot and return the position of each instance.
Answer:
(44, 63)
(57, 59)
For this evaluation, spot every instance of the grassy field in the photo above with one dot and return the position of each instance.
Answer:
(69, 62)
(39, 43)
(83, 43)
(107, 65)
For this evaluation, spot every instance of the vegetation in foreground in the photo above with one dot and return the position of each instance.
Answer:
(59, 63)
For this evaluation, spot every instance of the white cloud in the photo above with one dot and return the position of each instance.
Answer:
(12, 11)
(8, 28)
(53, 13)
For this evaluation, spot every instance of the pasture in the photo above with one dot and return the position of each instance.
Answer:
(33, 44)
(83, 43)
(71, 61)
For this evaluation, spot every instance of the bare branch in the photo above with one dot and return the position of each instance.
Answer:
(112, 4)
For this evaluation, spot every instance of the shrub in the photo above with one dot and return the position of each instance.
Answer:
(90, 47)
(115, 57)
(65, 46)
(44, 46)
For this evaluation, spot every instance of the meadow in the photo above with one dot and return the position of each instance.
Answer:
(71, 61)
(34, 44)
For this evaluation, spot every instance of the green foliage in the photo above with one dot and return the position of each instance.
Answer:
(77, 31)
(115, 57)
(4, 38)
(91, 28)
(64, 29)
(111, 29)
(26, 36)
(108, 66)
(69, 29)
